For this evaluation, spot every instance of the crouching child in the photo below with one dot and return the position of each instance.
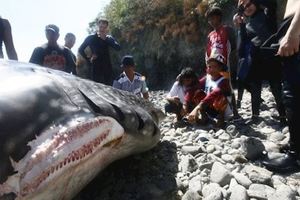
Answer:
(186, 80)
(212, 98)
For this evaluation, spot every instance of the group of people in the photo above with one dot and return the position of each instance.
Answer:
(197, 101)
(265, 52)
(94, 49)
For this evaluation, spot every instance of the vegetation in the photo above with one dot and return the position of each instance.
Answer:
(163, 35)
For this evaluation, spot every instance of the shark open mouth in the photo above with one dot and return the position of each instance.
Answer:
(59, 131)
(65, 150)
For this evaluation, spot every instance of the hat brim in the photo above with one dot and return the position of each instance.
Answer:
(213, 59)
(123, 66)
(51, 29)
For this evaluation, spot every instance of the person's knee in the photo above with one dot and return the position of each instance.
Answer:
(168, 108)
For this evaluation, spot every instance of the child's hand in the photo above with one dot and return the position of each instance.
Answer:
(176, 100)
(193, 116)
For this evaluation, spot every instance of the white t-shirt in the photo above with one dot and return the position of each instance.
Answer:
(177, 90)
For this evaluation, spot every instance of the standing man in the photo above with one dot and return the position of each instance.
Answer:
(70, 40)
(288, 37)
(98, 47)
(6, 38)
(53, 55)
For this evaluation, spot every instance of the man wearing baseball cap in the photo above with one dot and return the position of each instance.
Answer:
(130, 80)
(52, 54)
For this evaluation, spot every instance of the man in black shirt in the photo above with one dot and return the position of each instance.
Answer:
(53, 55)
(95, 49)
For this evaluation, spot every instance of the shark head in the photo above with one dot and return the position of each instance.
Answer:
(80, 134)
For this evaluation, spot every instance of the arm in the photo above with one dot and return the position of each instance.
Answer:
(116, 84)
(195, 97)
(173, 95)
(187, 101)
(289, 44)
(71, 65)
(232, 37)
(193, 116)
(208, 48)
(145, 90)
(243, 40)
(8, 41)
(112, 42)
(83, 46)
(146, 95)
(37, 56)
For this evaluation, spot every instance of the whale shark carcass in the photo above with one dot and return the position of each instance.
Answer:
(58, 131)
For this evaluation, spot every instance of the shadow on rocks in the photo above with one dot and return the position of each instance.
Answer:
(146, 176)
(248, 130)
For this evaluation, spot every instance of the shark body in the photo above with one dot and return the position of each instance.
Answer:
(58, 131)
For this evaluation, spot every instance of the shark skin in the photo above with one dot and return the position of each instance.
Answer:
(58, 131)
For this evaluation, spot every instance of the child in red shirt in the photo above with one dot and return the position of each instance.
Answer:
(211, 98)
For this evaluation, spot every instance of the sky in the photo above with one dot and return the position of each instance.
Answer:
(28, 19)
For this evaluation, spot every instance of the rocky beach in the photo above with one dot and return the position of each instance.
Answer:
(196, 162)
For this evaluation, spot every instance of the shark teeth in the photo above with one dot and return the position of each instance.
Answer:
(63, 150)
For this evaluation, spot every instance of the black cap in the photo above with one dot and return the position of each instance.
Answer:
(53, 28)
(127, 61)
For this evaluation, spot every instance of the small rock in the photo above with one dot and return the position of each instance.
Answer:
(191, 195)
(283, 192)
(258, 174)
(212, 191)
(219, 174)
(193, 150)
(260, 191)
(242, 179)
(238, 192)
